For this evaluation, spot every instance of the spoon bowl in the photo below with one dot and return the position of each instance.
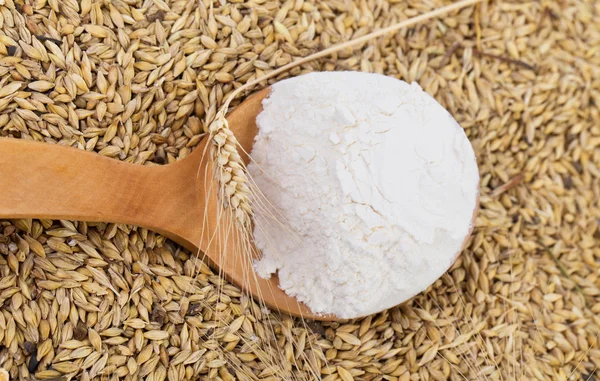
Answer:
(178, 200)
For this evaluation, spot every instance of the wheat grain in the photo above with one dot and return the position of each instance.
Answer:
(158, 74)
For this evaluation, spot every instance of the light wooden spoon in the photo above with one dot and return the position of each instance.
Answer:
(178, 200)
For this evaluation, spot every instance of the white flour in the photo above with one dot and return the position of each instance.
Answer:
(374, 184)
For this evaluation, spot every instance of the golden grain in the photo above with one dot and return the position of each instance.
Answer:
(143, 83)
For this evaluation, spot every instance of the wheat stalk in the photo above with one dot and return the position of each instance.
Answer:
(230, 169)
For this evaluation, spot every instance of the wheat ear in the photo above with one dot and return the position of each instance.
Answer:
(230, 169)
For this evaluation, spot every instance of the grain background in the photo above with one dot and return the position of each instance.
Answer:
(140, 81)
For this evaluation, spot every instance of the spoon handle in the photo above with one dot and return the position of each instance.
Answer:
(39, 180)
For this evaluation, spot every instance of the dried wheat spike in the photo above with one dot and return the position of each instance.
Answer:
(230, 170)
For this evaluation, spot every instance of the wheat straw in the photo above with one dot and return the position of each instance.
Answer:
(224, 148)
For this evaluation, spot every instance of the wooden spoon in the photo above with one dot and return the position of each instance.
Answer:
(177, 200)
(48, 181)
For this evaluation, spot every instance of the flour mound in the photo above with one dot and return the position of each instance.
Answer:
(369, 189)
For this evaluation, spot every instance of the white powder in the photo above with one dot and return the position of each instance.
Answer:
(375, 184)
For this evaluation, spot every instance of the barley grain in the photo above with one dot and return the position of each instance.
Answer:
(143, 82)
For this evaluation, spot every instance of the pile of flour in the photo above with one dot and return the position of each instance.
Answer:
(369, 190)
